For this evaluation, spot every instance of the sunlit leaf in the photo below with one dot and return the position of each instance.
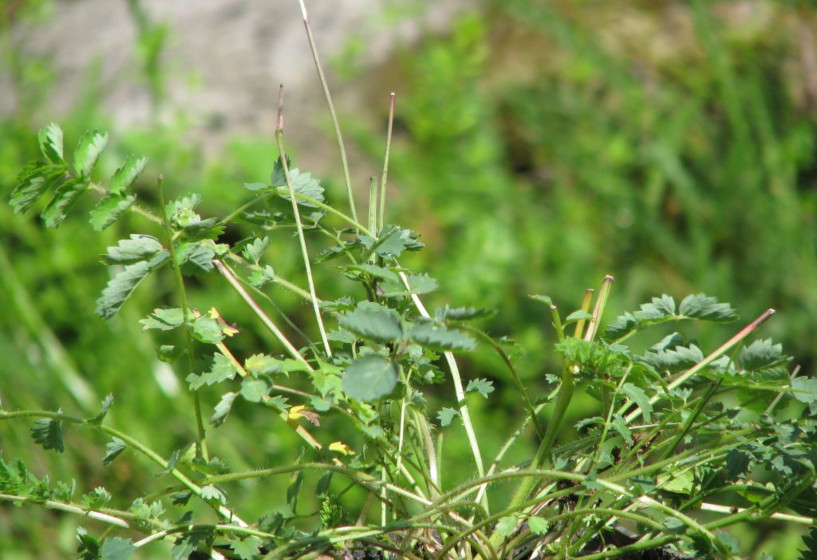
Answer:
(370, 377)
(90, 146)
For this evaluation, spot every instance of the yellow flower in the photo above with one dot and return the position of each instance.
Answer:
(340, 447)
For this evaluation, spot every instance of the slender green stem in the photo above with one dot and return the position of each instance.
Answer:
(335, 123)
(68, 508)
(273, 328)
(384, 178)
(373, 223)
(201, 442)
(279, 137)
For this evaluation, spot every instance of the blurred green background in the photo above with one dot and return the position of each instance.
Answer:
(538, 146)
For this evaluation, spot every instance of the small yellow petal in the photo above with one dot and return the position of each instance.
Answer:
(229, 331)
(295, 412)
(340, 447)
(213, 313)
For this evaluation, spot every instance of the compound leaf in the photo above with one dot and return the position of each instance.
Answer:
(370, 377)
(761, 354)
(32, 183)
(164, 319)
(51, 139)
(639, 397)
(701, 306)
(446, 416)
(120, 287)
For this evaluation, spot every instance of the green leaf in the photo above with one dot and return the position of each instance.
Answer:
(107, 402)
(483, 386)
(639, 397)
(211, 493)
(659, 308)
(88, 548)
(65, 196)
(374, 321)
(136, 248)
(222, 369)
(303, 183)
(120, 287)
(439, 337)
(761, 354)
(254, 390)
(277, 177)
(462, 313)
(261, 364)
(392, 241)
(446, 416)
(195, 257)
(50, 138)
(700, 306)
(538, 525)
(675, 359)
(48, 433)
(112, 450)
(207, 330)
(246, 549)
(126, 175)
(805, 389)
(738, 463)
(372, 270)
(261, 277)
(32, 183)
(116, 548)
(620, 425)
(253, 251)
(222, 409)
(506, 526)
(370, 377)
(108, 210)
(164, 319)
(810, 543)
(90, 146)
(256, 186)
(97, 498)
(622, 325)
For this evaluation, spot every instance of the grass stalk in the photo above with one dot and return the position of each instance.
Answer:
(385, 176)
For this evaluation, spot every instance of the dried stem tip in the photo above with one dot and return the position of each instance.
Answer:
(279, 125)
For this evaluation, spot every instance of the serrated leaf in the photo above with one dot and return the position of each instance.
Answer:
(108, 210)
(90, 146)
(33, 182)
(116, 548)
(260, 364)
(97, 498)
(222, 369)
(262, 277)
(256, 186)
(578, 315)
(51, 140)
(462, 313)
(621, 427)
(370, 377)
(439, 337)
(48, 433)
(164, 319)
(253, 251)
(120, 287)
(65, 196)
(804, 389)
(112, 450)
(126, 175)
(210, 492)
(222, 409)
(136, 248)
(674, 359)
(207, 330)
(761, 354)
(538, 525)
(374, 321)
(639, 397)
(483, 386)
(701, 306)
(254, 390)
(107, 402)
(195, 257)
(810, 543)
(353, 271)
(506, 526)
(737, 464)
(392, 241)
(88, 548)
(621, 326)
(246, 549)
(446, 416)
(658, 308)
(303, 183)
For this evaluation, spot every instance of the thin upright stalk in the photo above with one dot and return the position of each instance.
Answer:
(385, 176)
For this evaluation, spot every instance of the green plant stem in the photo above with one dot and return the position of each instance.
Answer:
(130, 441)
(201, 442)
(458, 389)
(68, 508)
(384, 177)
(273, 328)
(279, 138)
(373, 223)
(335, 123)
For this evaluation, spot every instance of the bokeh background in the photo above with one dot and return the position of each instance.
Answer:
(539, 145)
